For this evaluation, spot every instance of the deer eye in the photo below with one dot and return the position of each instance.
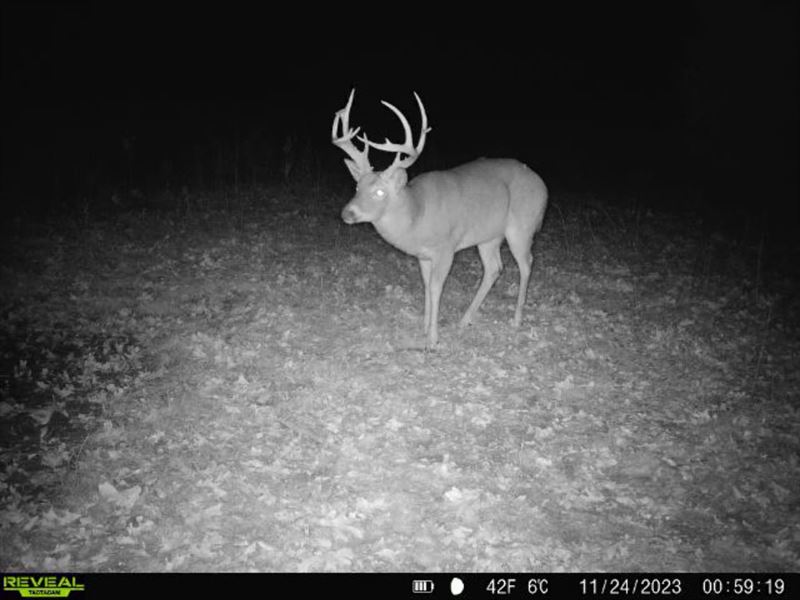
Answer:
(380, 193)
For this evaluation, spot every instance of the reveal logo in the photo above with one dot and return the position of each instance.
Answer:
(45, 586)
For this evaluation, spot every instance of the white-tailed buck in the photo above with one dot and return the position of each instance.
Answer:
(441, 212)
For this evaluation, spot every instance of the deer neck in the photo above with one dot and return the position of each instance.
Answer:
(397, 222)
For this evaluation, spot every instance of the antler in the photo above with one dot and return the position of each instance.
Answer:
(360, 163)
(406, 147)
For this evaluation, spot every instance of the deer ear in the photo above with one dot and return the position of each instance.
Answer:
(353, 168)
(398, 178)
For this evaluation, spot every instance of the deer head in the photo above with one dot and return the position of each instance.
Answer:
(374, 189)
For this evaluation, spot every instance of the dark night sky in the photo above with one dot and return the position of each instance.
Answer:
(694, 95)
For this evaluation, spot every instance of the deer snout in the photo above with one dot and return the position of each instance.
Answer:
(349, 215)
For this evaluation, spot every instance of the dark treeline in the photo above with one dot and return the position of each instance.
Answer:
(691, 110)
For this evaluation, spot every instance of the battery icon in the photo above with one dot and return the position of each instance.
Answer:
(422, 586)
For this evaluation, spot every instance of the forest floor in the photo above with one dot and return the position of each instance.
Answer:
(246, 389)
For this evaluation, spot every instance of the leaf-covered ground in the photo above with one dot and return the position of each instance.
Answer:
(235, 390)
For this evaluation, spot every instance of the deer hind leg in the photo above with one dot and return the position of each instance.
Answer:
(492, 265)
(519, 242)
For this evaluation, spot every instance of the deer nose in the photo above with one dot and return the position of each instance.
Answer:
(349, 215)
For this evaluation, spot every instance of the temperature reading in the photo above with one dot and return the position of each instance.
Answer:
(501, 587)
(538, 587)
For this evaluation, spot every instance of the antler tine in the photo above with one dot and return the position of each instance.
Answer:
(406, 147)
(425, 128)
(345, 141)
(343, 115)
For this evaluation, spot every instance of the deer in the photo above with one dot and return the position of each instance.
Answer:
(438, 213)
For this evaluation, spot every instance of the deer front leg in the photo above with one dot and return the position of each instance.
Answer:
(439, 269)
(425, 268)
